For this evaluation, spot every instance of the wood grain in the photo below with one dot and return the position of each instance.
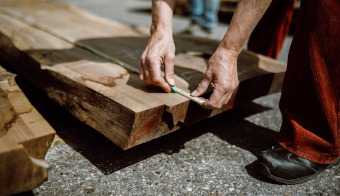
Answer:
(103, 95)
(56, 42)
(25, 138)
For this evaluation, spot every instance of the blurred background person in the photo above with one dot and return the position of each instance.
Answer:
(203, 15)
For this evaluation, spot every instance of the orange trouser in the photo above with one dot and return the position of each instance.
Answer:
(310, 101)
(269, 35)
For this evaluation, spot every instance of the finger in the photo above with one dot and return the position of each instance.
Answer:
(144, 73)
(141, 67)
(225, 99)
(215, 99)
(160, 81)
(156, 75)
(141, 73)
(147, 75)
(169, 69)
(203, 86)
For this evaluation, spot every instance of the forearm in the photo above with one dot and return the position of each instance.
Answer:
(160, 49)
(247, 15)
(162, 12)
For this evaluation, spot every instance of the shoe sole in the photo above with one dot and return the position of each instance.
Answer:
(265, 172)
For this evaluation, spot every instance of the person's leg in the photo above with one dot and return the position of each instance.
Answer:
(209, 17)
(310, 100)
(269, 35)
(196, 10)
(311, 90)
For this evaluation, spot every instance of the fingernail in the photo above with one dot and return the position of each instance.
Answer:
(194, 93)
(171, 82)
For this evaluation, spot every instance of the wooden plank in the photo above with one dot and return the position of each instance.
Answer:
(94, 89)
(125, 44)
(25, 138)
(103, 95)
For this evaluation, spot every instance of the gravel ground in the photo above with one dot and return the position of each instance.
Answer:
(215, 157)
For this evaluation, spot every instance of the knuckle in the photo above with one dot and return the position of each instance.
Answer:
(143, 56)
(208, 73)
(207, 78)
(171, 56)
(149, 59)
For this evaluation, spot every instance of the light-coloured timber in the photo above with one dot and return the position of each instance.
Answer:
(58, 43)
(25, 138)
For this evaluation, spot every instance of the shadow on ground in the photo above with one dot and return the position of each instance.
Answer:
(108, 157)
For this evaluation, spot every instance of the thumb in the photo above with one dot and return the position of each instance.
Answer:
(203, 86)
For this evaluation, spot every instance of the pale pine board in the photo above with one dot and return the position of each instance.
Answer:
(25, 138)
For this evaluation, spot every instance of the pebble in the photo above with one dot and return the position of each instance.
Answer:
(188, 187)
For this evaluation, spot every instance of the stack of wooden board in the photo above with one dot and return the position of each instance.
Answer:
(25, 138)
(75, 58)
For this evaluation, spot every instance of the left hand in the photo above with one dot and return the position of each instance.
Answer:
(160, 50)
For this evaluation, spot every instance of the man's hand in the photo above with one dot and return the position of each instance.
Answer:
(160, 50)
(222, 69)
(222, 73)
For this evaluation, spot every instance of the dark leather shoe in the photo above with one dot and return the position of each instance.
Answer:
(282, 166)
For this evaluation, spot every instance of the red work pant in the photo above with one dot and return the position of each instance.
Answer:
(310, 101)
(269, 35)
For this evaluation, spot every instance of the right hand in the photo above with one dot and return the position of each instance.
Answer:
(159, 50)
(222, 72)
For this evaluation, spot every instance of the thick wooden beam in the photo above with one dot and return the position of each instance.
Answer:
(102, 94)
(25, 138)
(75, 54)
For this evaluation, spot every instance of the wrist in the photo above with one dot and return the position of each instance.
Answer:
(162, 12)
(160, 30)
(232, 47)
(228, 50)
